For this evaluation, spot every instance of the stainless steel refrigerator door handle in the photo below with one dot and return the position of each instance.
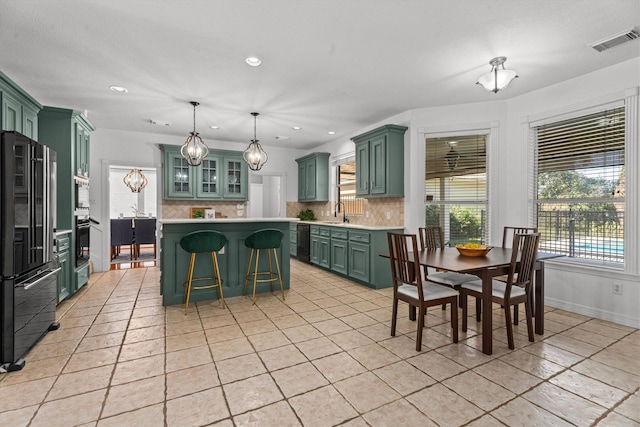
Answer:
(31, 285)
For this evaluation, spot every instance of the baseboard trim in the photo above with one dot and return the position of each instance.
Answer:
(633, 322)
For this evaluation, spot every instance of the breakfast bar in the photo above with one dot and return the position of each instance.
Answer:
(233, 258)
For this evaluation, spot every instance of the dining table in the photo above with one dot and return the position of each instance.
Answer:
(495, 263)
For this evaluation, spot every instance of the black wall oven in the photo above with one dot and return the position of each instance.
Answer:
(82, 239)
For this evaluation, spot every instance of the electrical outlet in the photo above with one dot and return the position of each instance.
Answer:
(388, 215)
(221, 251)
(617, 288)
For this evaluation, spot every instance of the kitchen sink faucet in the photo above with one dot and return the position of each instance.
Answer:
(344, 213)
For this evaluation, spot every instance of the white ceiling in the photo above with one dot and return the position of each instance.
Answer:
(328, 65)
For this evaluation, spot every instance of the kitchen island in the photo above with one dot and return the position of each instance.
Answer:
(233, 258)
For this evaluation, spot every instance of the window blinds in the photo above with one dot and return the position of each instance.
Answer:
(591, 141)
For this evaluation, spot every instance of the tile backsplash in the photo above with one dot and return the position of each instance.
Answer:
(177, 209)
(377, 209)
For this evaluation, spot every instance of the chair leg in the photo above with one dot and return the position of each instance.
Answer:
(275, 255)
(412, 312)
(454, 320)
(478, 309)
(515, 314)
(270, 269)
(246, 277)
(394, 315)
(463, 299)
(216, 277)
(192, 264)
(255, 277)
(444, 307)
(529, 316)
(421, 312)
(507, 317)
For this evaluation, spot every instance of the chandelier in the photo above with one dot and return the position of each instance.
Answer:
(194, 150)
(497, 79)
(254, 155)
(135, 180)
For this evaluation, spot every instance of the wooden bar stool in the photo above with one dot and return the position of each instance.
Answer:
(203, 242)
(269, 239)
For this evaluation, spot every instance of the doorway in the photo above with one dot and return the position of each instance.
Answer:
(267, 196)
(128, 209)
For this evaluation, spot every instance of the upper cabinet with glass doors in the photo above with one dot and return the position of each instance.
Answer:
(380, 162)
(221, 175)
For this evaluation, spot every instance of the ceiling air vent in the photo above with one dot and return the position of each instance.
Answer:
(616, 39)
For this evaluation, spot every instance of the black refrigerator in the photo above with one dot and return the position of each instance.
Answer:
(28, 272)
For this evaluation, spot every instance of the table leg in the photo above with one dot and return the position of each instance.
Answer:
(487, 313)
(538, 292)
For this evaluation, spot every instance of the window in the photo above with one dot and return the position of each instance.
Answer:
(456, 187)
(347, 189)
(580, 186)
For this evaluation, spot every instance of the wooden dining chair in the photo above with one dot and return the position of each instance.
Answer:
(433, 238)
(508, 234)
(409, 287)
(515, 290)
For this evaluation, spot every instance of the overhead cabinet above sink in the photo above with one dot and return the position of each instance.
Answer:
(380, 162)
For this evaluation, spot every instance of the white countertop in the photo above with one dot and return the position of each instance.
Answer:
(357, 226)
(223, 220)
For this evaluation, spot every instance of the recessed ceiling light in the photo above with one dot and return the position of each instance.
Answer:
(214, 127)
(296, 128)
(331, 132)
(283, 137)
(159, 122)
(253, 61)
(119, 89)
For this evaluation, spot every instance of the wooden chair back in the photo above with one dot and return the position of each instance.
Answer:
(403, 269)
(512, 231)
(431, 237)
(523, 258)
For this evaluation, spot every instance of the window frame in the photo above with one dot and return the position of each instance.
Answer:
(628, 98)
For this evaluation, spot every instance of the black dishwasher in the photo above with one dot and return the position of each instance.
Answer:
(304, 242)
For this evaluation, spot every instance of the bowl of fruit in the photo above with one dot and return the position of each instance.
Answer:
(473, 249)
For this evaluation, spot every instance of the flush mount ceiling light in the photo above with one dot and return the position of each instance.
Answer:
(254, 155)
(135, 180)
(253, 61)
(331, 132)
(194, 150)
(498, 78)
(296, 128)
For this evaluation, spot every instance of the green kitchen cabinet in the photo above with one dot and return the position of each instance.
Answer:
(293, 239)
(64, 262)
(353, 252)
(380, 162)
(18, 110)
(222, 175)
(67, 132)
(82, 149)
(313, 177)
(339, 250)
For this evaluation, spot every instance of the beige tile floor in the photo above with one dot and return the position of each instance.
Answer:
(323, 357)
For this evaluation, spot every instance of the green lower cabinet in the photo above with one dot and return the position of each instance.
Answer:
(359, 261)
(339, 256)
(64, 262)
(353, 253)
(293, 239)
(82, 277)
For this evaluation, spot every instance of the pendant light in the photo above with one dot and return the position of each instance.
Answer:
(254, 155)
(497, 79)
(194, 150)
(135, 180)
